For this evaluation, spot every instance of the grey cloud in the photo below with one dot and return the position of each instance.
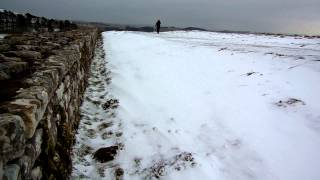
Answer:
(292, 16)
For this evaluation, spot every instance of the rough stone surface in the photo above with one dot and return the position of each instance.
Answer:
(12, 172)
(1, 169)
(12, 139)
(36, 173)
(45, 75)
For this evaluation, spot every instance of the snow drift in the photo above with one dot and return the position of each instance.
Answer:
(201, 105)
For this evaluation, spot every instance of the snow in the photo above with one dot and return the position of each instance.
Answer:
(2, 36)
(204, 105)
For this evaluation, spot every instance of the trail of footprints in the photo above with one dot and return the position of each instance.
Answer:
(98, 137)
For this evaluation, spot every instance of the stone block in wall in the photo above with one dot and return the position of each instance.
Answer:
(60, 66)
(36, 143)
(48, 79)
(32, 152)
(4, 58)
(34, 92)
(25, 164)
(12, 172)
(50, 127)
(36, 173)
(12, 137)
(11, 69)
(4, 76)
(27, 48)
(60, 91)
(68, 57)
(24, 54)
(31, 110)
(4, 47)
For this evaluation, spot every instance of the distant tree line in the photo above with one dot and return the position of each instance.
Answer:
(13, 22)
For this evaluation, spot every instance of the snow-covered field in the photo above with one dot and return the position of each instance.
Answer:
(200, 105)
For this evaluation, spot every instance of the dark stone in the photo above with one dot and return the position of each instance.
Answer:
(13, 69)
(8, 59)
(4, 47)
(111, 104)
(12, 86)
(4, 76)
(106, 154)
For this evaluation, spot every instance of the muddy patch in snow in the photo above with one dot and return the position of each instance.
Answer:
(162, 167)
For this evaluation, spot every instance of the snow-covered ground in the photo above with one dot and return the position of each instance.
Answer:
(201, 105)
(2, 36)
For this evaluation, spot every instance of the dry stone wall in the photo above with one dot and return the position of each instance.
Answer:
(42, 79)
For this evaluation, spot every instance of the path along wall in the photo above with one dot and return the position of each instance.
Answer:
(42, 79)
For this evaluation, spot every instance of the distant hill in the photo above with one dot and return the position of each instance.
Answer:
(194, 29)
(117, 27)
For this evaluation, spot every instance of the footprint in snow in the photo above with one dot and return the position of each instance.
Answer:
(290, 102)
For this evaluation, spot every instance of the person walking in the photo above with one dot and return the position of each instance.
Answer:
(158, 23)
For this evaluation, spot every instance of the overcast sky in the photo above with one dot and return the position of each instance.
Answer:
(289, 16)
